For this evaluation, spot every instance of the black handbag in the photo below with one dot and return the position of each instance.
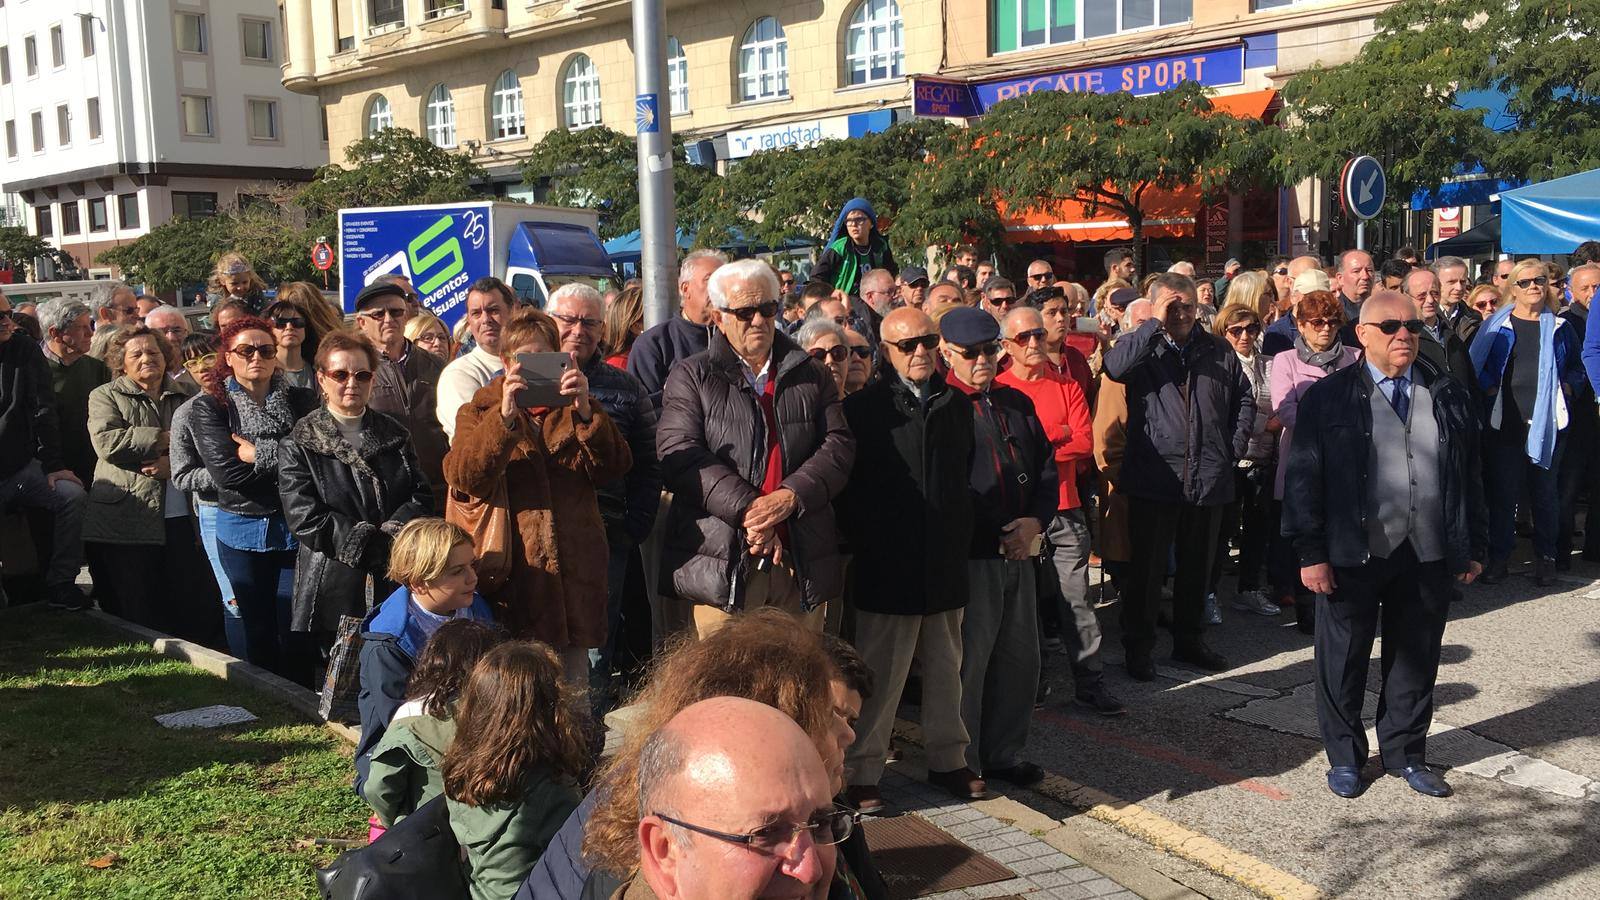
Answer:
(418, 857)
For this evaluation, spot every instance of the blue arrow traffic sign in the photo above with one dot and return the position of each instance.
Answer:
(1363, 187)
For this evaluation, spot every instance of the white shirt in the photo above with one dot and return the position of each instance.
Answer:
(460, 380)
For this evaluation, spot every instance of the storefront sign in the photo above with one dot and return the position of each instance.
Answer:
(1446, 222)
(1216, 237)
(1212, 68)
(808, 133)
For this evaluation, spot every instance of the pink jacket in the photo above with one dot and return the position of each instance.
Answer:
(1291, 378)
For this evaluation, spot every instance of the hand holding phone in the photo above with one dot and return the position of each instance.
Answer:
(539, 379)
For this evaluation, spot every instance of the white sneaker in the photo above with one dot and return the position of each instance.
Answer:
(1256, 602)
(1213, 611)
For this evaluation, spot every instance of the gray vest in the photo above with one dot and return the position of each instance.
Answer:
(1404, 497)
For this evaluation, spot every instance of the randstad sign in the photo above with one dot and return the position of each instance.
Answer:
(1213, 68)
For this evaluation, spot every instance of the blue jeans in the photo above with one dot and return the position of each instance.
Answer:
(232, 624)
(263, 586)
(1508, 468)
(600, 657)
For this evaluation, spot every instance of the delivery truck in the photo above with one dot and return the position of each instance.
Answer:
(443, 248)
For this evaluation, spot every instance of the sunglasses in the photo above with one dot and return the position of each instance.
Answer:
(1390, 326)
(1251, 329)
(5, 314)
(580, 321)
(1322, 323)
(768, 310)
(250, 351)
(1002, 301)
(1281, 270)
(863, 352)
(1039, 276)
(289, 322)
(341, 376)
(990, 349)
(1024, 337)
(393, 312)
(128, 311)
(909, 345)
(837, 353)
(1540, 280)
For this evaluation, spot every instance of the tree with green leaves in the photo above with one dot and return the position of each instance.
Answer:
(1400, 99)
(1105, 151)
(597, 168)
(174, 254)
(18, 249)
(393, 167)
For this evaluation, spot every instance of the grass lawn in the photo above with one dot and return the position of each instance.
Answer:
(86, 774)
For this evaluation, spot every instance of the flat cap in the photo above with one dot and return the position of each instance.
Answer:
(1312, 280)
(377, 292)
(1121, 297)
(912, 274)
(968, 326)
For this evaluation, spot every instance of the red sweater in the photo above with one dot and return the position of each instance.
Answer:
(1064, 413)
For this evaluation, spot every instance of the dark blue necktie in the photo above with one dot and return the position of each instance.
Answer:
(1401, 398)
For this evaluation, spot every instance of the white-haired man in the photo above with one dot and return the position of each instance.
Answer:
(689, 332)
(114, 304)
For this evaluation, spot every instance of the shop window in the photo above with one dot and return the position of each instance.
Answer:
(874, 46)
(764, 61)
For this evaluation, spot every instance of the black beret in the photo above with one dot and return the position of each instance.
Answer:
(968, 326)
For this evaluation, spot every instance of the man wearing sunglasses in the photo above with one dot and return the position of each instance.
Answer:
(999, 297)
(1191, 412)
(1040, 274)
(407, 382)
(1014, 491)
(908, 514)
(736, 807)
(1381, 531)
(754, 447)
(114, 304)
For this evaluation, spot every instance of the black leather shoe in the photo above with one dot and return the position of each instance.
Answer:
(1096, 697)
(1423, 780)
(1023, 774)
(1196, 653)
(1346, 781)
(1141, 667)
(1564, 562)
(1543, 571)
(1497, 572)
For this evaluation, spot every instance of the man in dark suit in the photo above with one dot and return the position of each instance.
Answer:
(1454, 285)
(1578, 472)
(1438, 344)
(1380, 534)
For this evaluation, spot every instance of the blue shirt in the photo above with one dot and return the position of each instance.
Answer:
(258, 535)
(1387, 384)
(421, 624)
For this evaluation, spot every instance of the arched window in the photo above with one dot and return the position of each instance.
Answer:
(764, 61)
(677, 76)
(441, 117)
(379, 115)
(580, 93)
(873, 49)
(505, 107)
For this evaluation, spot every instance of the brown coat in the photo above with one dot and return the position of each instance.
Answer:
(556, 592)
(1110, 436)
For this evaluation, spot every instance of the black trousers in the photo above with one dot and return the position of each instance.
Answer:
(1191, 533)
(168, 588)
(1412, 600)
(1579, 475)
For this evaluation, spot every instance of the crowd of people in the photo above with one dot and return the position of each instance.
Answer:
(840, 490)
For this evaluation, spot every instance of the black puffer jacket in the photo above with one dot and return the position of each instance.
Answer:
(344, 504)
(247, 489)
(630, 502)
(1325, 488)
(1190, 414)
(908, 511)
(712, 445)
(28, 424)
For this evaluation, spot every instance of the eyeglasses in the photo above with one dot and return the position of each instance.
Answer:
(127, 310)
(858, 220)
(826, 828)
(250, 351)
(863, 352)
(909, 345)
(1423, 295)
(1390, 326)
(990, 349)
(393, 312)
(1039, 276)
(1281, 270)
(1024, 337)
(837, 353)
(341, 376)
(1002, 301)
(1525, 283)
(767, 309)
(1253, 329)
(581, 321)
(202, 362)
(289, 322)
(1321, 323)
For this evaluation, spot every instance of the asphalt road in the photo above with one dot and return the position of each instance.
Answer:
(1235, 758)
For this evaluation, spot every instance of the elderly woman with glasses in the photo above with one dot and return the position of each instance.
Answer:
(1528, 362)
(349, 481)
(237, 426)
(1317, 353)
(826, 342)
(1249, 515)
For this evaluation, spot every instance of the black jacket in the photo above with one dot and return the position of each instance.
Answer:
(28, 426)
(712, 444)
(1190, 413)
(1451, 357)
(1325, 487)
(243, 488)
(656, 351)
(408, 391)
(907, 512)
(1467, 321)
(345, 504)
(1585, 418)
(1013, 466)
(629, 503)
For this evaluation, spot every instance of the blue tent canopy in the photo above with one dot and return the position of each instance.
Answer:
(1552, 216)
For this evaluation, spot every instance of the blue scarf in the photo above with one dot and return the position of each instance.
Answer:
(1494, 342)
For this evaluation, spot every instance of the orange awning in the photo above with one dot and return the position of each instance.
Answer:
(1248, 105)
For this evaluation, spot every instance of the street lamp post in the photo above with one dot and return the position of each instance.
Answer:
(658, 244)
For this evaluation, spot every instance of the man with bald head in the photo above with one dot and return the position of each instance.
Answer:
(908, 513)
(734, 805)
(1439, 345)
(1353, 278)
(1380, 531)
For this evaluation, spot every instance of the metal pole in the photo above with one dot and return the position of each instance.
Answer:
(658, 244)
(1361, 234)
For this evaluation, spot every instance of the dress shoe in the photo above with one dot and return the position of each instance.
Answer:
(1141, 667)
(1423, 780)
(1544, 569)
(1564, 562)
(1497, 572)
(866, 799)
(1196, 653)
(1346, 781)
(1095, 696)
(893, 756)
(962, 783)
(1023, 774)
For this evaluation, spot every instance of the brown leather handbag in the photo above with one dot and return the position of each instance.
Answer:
(488, 521)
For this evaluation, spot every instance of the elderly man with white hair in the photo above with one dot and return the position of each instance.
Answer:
(114, 304)
(628, 505)
(172, 324)
(754, 447)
